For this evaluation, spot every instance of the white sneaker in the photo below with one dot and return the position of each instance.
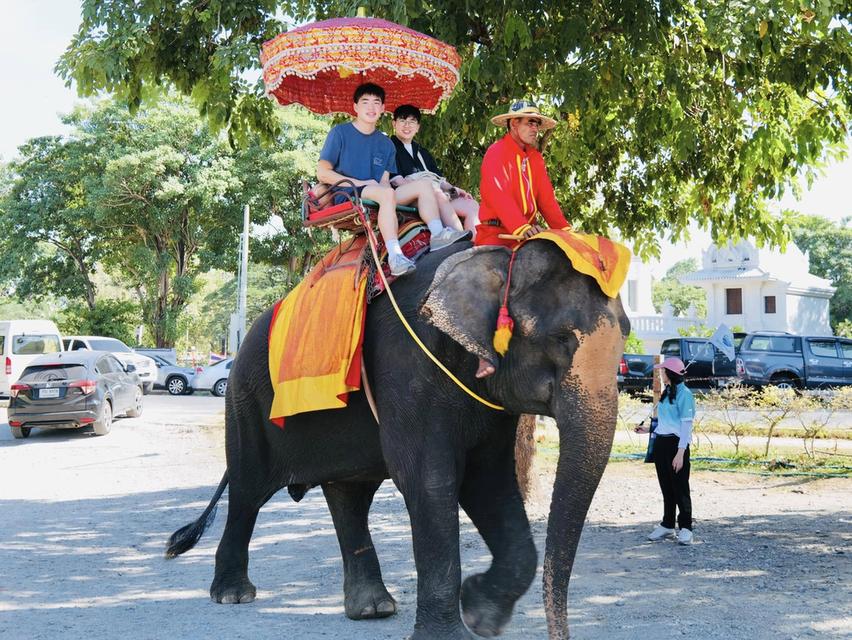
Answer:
(399, 264)
(660, 533)
(684, 536)
(446, 238)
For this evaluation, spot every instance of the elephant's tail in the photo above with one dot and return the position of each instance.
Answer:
(187, 537)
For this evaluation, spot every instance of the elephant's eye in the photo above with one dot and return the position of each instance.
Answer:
(565, 337)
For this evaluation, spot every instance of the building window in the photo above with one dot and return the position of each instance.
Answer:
(769, 304)
(734, 301)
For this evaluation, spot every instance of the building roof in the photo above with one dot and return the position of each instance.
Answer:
(726, 274)
(744, 261)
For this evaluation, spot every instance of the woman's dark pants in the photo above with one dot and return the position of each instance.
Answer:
(675, 486)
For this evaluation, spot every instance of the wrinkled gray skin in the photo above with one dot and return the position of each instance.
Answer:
(441, 448)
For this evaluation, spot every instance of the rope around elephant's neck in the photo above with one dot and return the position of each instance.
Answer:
(371, 240)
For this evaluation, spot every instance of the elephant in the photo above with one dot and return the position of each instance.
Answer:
(441, 447)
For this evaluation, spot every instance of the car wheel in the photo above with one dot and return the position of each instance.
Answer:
(785, 382)
(147, 388)
(219, 388)
(189, 391)
(21, 432)
(136, 410)
(176, 386)
(104, 422)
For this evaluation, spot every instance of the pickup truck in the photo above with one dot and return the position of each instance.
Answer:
(798, 362)
(635, 373)
(707, 367)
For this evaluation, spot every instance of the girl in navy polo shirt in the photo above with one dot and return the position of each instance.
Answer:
(671, 452)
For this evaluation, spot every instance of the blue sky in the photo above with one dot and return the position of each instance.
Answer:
(34, 33)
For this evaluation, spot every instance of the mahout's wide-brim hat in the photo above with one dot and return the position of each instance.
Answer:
(524, 109)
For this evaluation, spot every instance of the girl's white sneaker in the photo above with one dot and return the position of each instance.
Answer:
(684, 536)
(661, 533)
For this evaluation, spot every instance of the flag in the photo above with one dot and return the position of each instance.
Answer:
(723, 340)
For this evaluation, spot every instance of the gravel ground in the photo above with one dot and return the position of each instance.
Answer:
(85, 519)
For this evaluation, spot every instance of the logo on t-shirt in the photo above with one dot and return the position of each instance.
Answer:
(378, 160)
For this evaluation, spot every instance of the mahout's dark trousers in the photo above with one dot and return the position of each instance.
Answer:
(675, 486)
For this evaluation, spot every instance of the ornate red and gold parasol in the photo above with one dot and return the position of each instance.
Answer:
(319, 65)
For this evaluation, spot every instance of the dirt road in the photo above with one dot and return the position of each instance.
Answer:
(84, 521)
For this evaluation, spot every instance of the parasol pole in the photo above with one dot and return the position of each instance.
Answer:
(657, 386)
(362, 12)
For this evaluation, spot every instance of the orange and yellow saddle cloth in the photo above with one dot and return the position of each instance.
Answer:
(315, 335)
(316, 332)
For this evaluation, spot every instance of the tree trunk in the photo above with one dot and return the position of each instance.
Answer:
(525, 454)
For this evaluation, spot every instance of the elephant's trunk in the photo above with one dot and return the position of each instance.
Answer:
(585, 408)
(585, 440)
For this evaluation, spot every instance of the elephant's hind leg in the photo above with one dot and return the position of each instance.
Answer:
(252, 484)
(231, 584)
(364, 592)
(490, 497)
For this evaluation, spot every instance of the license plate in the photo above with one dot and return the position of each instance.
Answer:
(48, 393)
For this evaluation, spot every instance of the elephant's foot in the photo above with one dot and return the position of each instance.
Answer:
(482, 612)
(364, 600)
(231, 591)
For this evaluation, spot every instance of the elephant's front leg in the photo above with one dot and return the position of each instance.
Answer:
(491, 498)
(364, 592)
(430, 487)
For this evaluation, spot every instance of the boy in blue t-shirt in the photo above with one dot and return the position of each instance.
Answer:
(358, 151)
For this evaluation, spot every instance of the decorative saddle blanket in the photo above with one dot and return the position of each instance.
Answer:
(316, 332)
(601, 258)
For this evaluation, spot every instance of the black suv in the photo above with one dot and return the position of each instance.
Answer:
(707, 367)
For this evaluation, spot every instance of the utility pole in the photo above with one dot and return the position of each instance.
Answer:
(241, 309)
(237, 330)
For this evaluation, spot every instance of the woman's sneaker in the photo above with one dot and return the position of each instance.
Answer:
(660, 533)
(399, 264)
(446, 238)
(684, 536)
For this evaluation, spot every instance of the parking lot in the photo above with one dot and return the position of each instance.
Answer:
(85, 520)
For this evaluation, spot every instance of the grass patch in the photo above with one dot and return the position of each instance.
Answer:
(723, 458)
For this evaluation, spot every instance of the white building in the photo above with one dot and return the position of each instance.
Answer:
(648, 325)
(762, 289)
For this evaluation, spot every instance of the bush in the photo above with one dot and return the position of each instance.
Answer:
(728, 402)
(772, 405)
(630, 412)
(634, 344)
(112, 318)
(813, 414)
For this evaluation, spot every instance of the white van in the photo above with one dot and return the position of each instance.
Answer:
(21, 341)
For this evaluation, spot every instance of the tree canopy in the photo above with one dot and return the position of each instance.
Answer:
(154, 199)
(681, 297)
(829, 248)
(669, 111)
(45, 206)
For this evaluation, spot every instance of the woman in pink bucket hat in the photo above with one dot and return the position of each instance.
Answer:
(671, 452)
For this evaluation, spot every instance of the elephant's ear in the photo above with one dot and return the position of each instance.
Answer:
(464, 298)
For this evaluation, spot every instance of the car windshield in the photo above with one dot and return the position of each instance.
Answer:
(109, 344)
(671, 348)
(50, 372)
(36, 343)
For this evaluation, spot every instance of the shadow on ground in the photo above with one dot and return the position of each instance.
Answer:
(95, 569)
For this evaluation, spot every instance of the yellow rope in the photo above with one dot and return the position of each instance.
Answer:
(371, 241)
